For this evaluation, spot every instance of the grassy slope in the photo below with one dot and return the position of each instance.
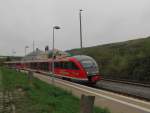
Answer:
(128, 60)
(39, 97)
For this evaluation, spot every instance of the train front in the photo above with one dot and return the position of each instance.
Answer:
(91, 68)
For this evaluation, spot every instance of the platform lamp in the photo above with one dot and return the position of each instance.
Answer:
(80, 18)
(54, 27)
(26, 49)
(13, 53)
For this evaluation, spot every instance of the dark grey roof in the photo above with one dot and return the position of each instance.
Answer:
(33, 55)
(38, 54)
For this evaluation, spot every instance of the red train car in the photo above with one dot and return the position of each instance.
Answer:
(79, 68)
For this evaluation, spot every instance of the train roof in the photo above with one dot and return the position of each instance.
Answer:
(82, 57)
(78, 57)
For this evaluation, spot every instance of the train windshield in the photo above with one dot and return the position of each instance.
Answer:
(90, 66)
(87, 63)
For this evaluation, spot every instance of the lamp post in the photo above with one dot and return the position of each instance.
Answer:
(55, 27)
(26, 49)
(13, 53)
(80, 27)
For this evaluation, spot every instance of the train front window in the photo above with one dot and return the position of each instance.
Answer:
(90, 66)
(87, 63)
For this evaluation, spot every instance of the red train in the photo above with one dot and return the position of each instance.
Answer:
(79, 68)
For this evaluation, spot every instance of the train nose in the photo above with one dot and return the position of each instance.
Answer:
(95, 78)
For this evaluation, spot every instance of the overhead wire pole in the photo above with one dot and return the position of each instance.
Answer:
(80, 18)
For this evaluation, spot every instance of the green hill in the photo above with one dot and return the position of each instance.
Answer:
(124, 60)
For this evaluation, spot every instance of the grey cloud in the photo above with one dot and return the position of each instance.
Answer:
(104, 21)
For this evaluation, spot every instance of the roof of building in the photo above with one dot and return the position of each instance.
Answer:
(35, 55)
(42, 55)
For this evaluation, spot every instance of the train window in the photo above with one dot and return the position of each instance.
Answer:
(65, 65)
(46, 65)
(40, 65)
(73, 66)
(33, 65)
(56, 64)
(61, 64)
(50, 64)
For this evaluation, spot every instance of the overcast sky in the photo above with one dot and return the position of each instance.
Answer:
(104, 21)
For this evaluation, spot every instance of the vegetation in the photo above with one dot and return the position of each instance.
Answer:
(125, 60)
(39, 97)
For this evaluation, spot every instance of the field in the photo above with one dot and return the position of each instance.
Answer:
(128, 60)
(35, 96)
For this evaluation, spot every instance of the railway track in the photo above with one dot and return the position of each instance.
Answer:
(134, 90)
(128, 82)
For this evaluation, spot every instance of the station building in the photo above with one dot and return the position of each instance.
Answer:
(43, 55)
